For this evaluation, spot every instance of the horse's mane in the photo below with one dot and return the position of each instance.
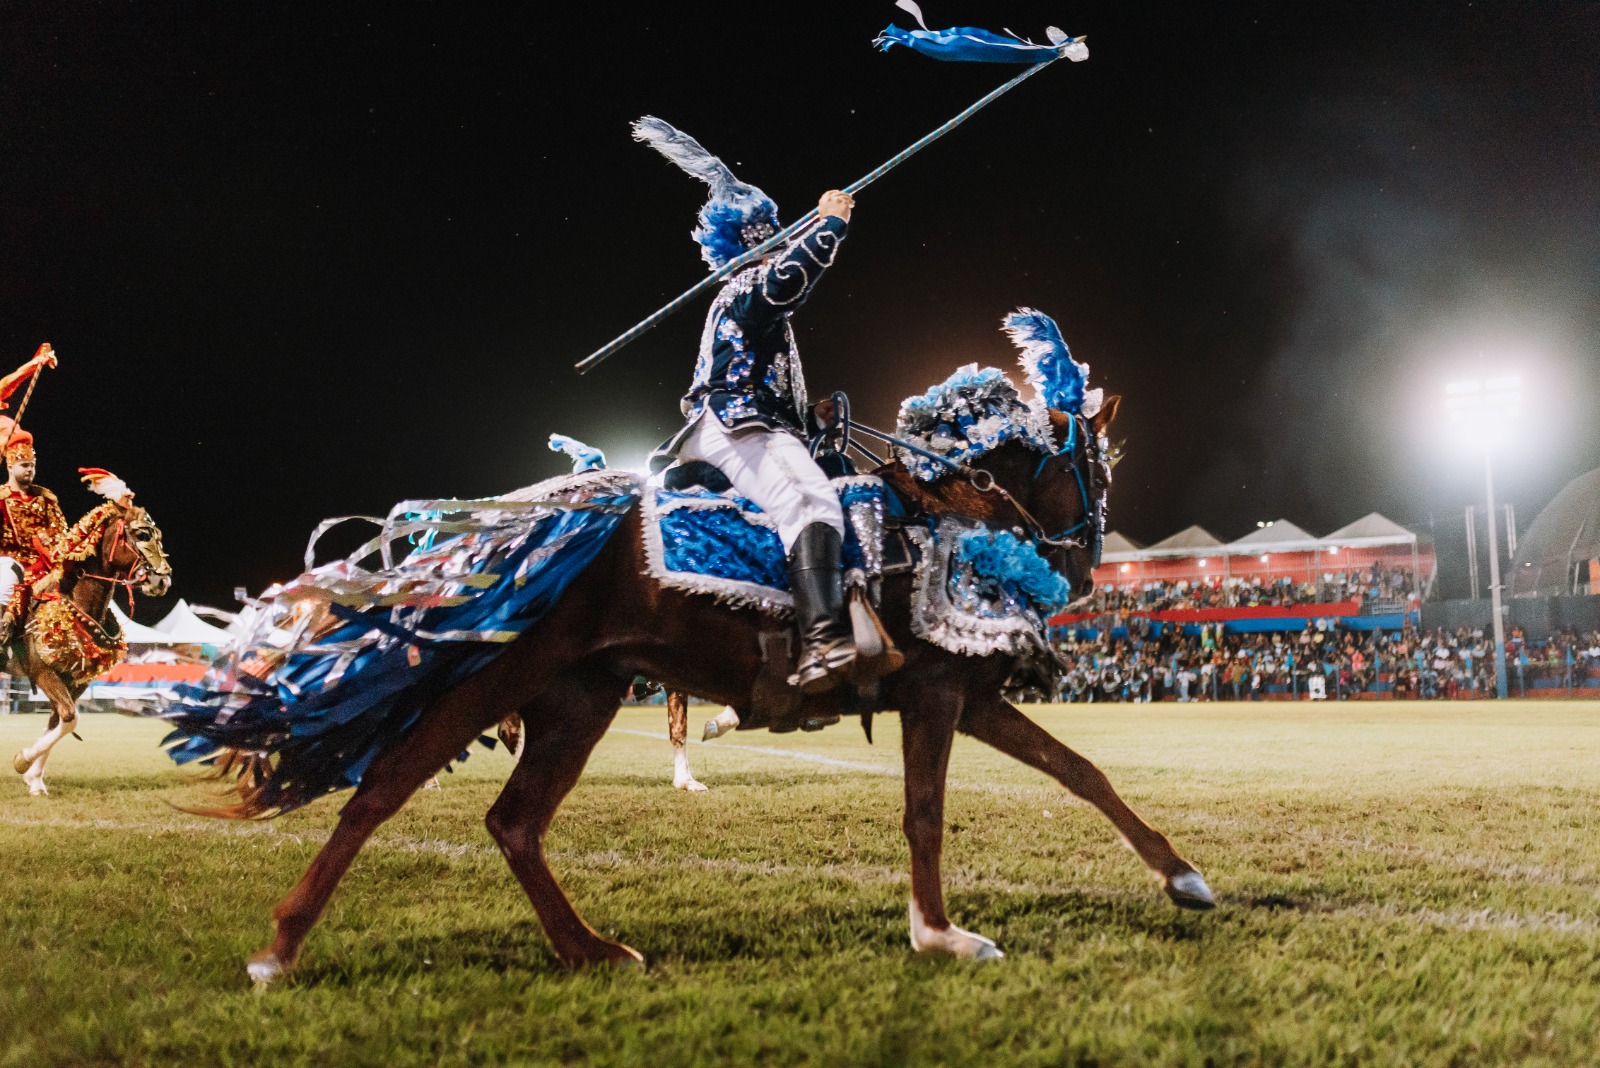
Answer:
(82, 541)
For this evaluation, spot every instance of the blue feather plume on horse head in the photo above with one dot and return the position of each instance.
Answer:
(584, 457)
(1048, 365)
(737, 217)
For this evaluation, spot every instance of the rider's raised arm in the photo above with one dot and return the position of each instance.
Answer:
(45, 357)
(787, 281)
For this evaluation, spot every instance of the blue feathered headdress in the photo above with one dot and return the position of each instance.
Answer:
(737, 217)
(1048, 365)
(968, 415)
(584, 457)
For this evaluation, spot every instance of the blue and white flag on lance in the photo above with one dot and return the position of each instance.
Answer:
(968, 44)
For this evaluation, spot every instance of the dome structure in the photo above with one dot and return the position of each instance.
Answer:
(1554, 556)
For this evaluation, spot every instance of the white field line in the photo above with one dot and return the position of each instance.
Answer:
(1511, 871)
(1053, 793)
(767, 750)
(1308, 905)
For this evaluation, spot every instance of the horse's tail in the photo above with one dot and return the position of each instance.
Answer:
(245, 774)
(349, 690)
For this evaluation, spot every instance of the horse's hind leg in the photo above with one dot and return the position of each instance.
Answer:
(562, 728)
(30, 761)
(444, 730)
(927, 729)
(999, 724)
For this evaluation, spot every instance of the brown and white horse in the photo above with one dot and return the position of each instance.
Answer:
(66, 644)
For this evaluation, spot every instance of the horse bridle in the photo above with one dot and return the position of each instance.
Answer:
(983, 481)
(140, 571)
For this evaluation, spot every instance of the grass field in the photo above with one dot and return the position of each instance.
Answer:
(1398, 884)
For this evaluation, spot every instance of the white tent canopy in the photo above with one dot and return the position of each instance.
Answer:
(137, 633)
(1190, 541)
(182, 627)
(1279, 536)
(1118, 547)
(1371, 530)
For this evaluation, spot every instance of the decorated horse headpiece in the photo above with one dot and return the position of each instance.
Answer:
(737, 217)
(975, 411)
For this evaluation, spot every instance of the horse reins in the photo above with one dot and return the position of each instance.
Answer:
(141, 568)
(1063, 540)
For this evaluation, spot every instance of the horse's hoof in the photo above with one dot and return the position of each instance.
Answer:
(690, 785)
(20, 763)
(951, 941)
(1189, 891)
(726, 722)
(265, 969)
(988, 951)
(611, 955)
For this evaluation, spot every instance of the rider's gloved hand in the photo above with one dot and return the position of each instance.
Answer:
(837, 203)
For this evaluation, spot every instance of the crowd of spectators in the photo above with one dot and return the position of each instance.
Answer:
(1392, 589)
(1156, 662)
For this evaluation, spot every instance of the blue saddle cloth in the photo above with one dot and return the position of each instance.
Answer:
(724, 545)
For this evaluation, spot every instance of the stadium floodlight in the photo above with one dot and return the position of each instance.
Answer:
(1482, 411)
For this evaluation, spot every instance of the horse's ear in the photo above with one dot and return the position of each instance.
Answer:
(1108, 411)
(1061, 423)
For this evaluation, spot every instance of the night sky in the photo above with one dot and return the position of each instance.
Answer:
(303, 260)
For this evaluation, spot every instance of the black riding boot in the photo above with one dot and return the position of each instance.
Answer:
(827, 650)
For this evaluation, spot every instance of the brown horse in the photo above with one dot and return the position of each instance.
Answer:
(568, 673)
(66, 644)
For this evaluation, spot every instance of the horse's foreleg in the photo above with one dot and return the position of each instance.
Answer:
(998, 723)
(678, 734)
(926, 734)
(443, 731)
(561, 729)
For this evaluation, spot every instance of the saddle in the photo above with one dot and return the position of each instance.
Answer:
(701, 537)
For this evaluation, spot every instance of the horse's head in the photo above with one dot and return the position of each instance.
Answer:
(138, 556)
(974, 447)
(120, 537)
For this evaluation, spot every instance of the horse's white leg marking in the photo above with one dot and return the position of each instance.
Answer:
(952, 939)
(32, 758)
(263, 969)
(682, 777)
(49, 738)
(726, 722)
(34, 776)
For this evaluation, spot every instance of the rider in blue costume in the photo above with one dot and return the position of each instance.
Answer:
(747, 410)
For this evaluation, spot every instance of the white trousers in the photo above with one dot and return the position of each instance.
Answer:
(10, 575)
(772, 468)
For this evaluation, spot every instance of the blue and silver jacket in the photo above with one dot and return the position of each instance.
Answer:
(748, 371)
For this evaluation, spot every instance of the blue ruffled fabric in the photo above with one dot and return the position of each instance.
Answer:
(719, 542)
(336, 728)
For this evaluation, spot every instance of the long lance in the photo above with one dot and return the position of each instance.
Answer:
(27, 395)
(593, 360)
